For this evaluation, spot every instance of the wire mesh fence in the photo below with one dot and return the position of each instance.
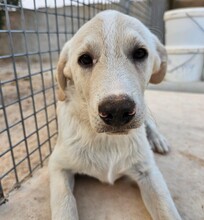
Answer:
(31, 37)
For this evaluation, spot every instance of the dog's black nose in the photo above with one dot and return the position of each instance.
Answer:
(117, 110)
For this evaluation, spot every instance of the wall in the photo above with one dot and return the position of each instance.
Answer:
(53, 28)
(42, 27)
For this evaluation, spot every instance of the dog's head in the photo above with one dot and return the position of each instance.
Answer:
(107, 65)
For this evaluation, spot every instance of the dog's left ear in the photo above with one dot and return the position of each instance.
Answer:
(160, 65)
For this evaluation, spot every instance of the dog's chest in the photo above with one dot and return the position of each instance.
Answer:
(104, 157)
(110, 171)
(106, 166)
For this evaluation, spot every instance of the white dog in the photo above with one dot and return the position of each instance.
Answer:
(102, 75)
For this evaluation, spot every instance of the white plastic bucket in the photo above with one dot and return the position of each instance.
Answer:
(185, 64)
(184, 27)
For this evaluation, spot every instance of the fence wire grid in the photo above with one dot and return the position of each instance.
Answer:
(32, 34)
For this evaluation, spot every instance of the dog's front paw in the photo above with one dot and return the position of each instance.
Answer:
(158, 142)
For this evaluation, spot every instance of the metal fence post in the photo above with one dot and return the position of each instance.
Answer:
(2, 198)
(125, 5)
(157, 21)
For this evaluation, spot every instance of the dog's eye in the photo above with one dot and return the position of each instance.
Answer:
(85, 60)
(139, 54)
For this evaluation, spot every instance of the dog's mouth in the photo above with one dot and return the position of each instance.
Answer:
(123, 130)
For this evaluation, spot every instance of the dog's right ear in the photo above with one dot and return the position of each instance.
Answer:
(160, 65)
(62, 72)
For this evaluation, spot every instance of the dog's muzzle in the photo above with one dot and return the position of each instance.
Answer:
(117, 111)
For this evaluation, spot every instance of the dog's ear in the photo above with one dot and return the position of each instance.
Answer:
(61, 74)
(160, 65)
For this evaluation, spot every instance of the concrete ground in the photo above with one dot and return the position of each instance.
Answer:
(180, 116)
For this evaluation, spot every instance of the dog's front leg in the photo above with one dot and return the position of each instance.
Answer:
(63, 204)
(154, 191)
(156, 140)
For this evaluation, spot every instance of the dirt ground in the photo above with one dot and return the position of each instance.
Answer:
(43, 103)
(180, 116)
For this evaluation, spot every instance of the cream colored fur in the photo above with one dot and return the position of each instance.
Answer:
(86, 145)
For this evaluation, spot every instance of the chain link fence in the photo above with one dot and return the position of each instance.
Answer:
(32, 33)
